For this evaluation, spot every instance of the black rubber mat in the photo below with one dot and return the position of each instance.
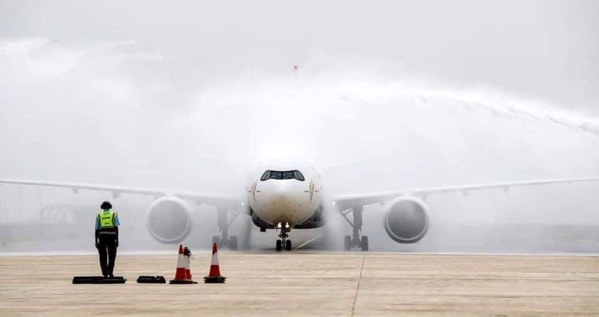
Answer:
(98, 280)
(151, 279)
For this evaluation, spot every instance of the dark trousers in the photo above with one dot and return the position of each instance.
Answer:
(107, 251)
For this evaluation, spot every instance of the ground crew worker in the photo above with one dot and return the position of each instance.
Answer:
(107, 238)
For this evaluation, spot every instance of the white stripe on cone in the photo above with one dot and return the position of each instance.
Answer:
(181, 261)
(214, 258)
(187, 267)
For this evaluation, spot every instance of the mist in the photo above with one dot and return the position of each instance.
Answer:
(125, 101)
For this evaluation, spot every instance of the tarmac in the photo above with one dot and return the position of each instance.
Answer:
(308, 283)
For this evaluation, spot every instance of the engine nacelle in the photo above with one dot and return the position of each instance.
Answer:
(169, 220)
(406, 219)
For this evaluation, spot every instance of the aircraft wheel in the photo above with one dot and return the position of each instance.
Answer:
(216, 239)
(288, 245)
(233, 243)
(347, 243)
(279, 245)
(364, 243)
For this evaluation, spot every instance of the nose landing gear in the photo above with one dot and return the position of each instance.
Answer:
(283, 234)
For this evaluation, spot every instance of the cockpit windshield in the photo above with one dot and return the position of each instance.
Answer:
(295, 174)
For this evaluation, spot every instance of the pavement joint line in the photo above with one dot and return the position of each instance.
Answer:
(353, 306)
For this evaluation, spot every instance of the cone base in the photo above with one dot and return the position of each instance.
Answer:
(214, 279)
(182, 282)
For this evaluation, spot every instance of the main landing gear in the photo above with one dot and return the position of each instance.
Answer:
(355, 240)
(283, 234)
(223, 226)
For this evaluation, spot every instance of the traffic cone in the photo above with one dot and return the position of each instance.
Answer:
(180, 274)
(214, 275)
(187, 254)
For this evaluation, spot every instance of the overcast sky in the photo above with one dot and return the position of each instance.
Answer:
(546, 49)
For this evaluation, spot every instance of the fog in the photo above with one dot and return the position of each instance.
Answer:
(389, 96)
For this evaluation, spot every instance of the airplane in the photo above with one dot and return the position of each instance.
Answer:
(289, 196)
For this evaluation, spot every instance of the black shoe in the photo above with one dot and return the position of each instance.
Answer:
(105, 275)
(111, 276)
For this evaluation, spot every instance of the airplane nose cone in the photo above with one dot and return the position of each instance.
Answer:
(282, 198)
(279, 188)
(283, 202)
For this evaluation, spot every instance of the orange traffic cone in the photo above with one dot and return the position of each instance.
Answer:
(214, 275)
(180, 274)
(187, 254)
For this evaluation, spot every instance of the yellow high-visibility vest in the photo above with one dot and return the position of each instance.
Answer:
(106, 219)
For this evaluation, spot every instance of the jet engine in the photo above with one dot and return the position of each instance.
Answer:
(406, 219)
(169, 220)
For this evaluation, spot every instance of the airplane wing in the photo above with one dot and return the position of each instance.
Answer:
(208, 199)
(348, 201)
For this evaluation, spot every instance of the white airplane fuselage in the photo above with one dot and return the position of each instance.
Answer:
(286, 201)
